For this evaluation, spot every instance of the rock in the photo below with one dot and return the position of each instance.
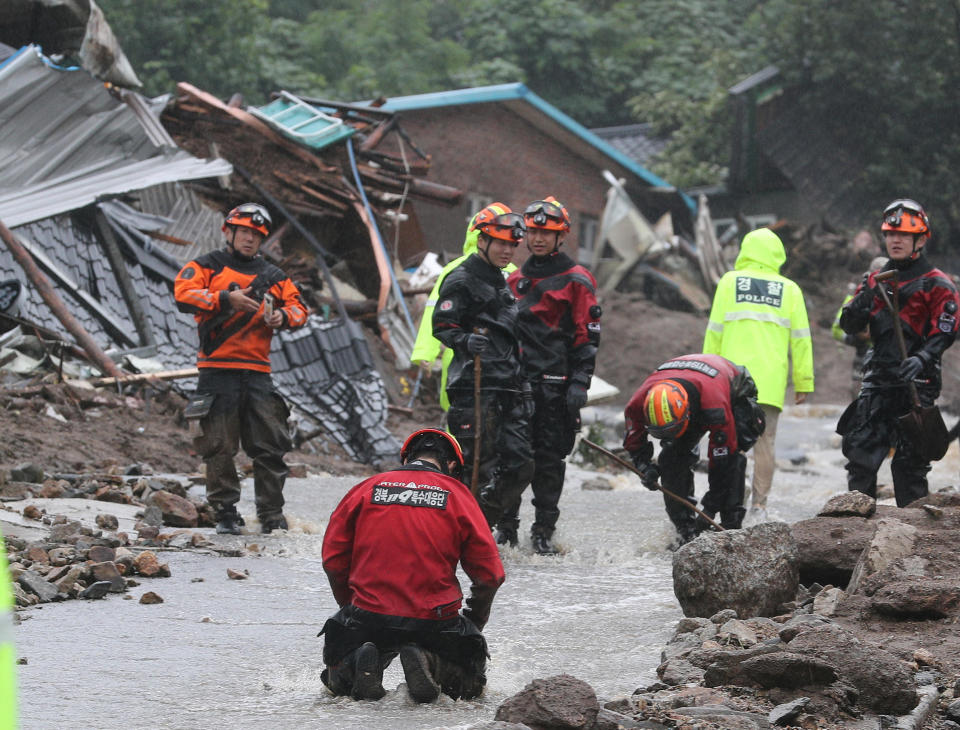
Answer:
(752, 571)
(34, 583)
(893, 539)
(725, 717)
(15, 491)
(932, 510)
(65, 583)
(107, 521)
(722, 616)
(679, 671)
(62, 555)
(919, 598)
(496, 725)
(153, 515)
(68, 531)
(561, 702)
(27, 473)
(146, 564)
(149, 598)
(38, 555)
(736, 632)
(610, 720)
(32, 512)
(599, 484)
(826, 601)
(101, 554)
(145, 531)
(953, 711)
(782, 669)
(883, 681)
(53, 488)
(687, 625)
(298, 470)
(96, 590)
(725, 657)
(925, 658)
(849, 504)
(236, 574)
(786, 713)
(177, 511)
(830, 561)
(799, 622)
(107, 571)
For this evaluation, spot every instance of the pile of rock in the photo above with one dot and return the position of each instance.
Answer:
(770, 639)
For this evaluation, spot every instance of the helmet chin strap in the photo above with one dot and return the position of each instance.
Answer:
(233, 251)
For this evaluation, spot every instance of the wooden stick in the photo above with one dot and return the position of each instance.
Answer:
(631, 467)
(142, 377)
(477, 430)
(52, 300)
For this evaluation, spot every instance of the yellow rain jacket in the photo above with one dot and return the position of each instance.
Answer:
(427, 348)
(8, 656)
(758, 318)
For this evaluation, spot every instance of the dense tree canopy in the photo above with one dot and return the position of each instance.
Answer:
(884, 71)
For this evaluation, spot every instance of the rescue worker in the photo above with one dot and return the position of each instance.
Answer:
(238, 301)
(928, 302)
(860, 342)
(476, 316)
(684, 399)
(427, 348)
(8, 654)
(559, 328)
(759, 320)
(390, 552)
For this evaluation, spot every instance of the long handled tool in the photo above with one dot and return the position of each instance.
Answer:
(923, 425)
(477, 430)
(627, 465)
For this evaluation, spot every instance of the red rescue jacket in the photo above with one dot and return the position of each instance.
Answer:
(230, 339)
(393, 543)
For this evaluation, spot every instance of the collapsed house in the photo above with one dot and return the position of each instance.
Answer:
(109, 205)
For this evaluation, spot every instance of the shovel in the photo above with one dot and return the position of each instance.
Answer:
(477, 419)
(922, 425)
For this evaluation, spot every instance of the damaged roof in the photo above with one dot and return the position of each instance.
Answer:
(67, 140)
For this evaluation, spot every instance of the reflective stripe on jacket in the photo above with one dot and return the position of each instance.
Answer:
(759, 320)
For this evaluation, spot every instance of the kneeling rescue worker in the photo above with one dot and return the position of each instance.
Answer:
(390, 552)
(684, 399)
(238, 301)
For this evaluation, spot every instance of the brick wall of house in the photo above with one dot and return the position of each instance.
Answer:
(489, 150)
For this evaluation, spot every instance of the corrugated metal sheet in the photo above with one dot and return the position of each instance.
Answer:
(66, 141)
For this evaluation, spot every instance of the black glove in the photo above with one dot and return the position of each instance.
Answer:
(649, 475)
(911, 368)
(529, 406)
(576, 397)
(477, 343)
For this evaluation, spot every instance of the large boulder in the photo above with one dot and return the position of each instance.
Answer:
(893, 539)
(555, 703)
(830, 561)
(885, 683)
(752, 571)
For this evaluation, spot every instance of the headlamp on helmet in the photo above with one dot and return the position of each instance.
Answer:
(907, 216)
(498, 221)
(666, 410)
(547, 214)
(249, 215)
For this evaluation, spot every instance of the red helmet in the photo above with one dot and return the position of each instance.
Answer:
(498, 221)
(249, 215)
(666, 410)
(905, 215)
(548, 214)
(430, 439)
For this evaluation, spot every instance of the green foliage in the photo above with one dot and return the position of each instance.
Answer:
(210, 44)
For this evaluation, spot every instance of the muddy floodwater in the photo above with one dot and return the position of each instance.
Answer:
(245, 653)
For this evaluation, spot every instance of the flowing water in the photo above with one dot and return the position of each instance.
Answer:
(244, 653)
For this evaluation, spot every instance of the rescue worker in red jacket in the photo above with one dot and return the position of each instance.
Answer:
(238, 301)
(390, 552)
(558, 323)
(476, 316)
(928, 302)
(684, 399)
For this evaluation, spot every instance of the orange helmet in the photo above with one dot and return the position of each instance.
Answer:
(249, 215)
(498, 221)
(666, 410)
(905, 215)
(433, 439)
(548, 214)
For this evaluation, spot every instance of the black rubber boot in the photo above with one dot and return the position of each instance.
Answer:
(270, 524)
(229, 523)
(419, 667)
(542, 544)
(368, 674)
(506, 536)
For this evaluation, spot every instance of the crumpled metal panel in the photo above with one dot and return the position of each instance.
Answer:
(66, 141)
